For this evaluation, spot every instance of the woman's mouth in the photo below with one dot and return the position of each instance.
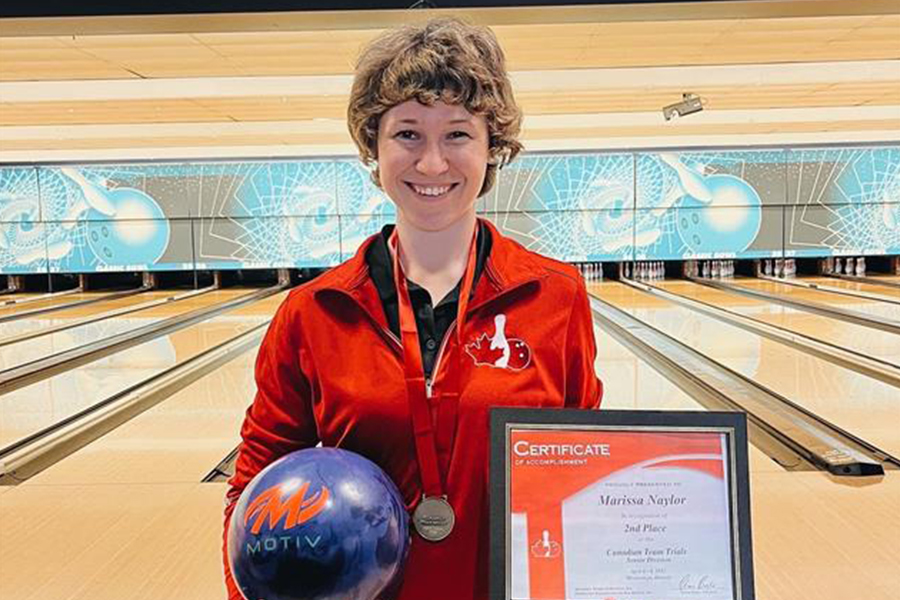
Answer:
(431, 191)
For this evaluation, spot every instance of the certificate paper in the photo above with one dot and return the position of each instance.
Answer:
(619, 514)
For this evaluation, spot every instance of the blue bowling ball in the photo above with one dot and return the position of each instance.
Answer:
(729, 223)
(138, 233)
(318, 524)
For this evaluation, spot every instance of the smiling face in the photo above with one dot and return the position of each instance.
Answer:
(431, 162)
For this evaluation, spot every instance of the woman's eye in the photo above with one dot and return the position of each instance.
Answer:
(456, 135)
(406, 134)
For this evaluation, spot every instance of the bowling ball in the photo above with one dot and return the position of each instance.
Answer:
(137, 234)
(727, 224)
(318, 524)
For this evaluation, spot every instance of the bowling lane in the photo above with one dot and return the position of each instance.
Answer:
(50, 301)
(855, 286)
(32, 408)
(45, 321)
(863, 406)
(865, 340)
(178, 440)
(19, 296)
(629, 383)
(892, 279)
(28, 350)
(872, 308)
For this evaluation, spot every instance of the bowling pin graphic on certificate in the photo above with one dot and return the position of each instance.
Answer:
(623, 505)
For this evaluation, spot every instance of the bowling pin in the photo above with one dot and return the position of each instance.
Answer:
(706, 269)
(838, 266)
(691, 182)
(861, 266)
(767, 269)
(600, 273)
(94, 194)
(849, 267)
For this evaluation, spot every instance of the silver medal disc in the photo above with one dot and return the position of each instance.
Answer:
(434, 518)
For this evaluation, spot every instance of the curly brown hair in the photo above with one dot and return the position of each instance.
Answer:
(441, 60)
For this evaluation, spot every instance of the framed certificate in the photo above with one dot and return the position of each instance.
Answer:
(619, 505)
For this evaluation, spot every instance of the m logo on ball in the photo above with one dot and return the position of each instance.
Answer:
(297, 508)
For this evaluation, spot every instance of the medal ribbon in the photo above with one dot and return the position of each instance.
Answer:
(419, 403)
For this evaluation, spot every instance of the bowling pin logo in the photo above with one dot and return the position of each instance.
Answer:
(545, 547)
(269, 509)
(498, 351)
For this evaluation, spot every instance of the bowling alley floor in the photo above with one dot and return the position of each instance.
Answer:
(127, 517)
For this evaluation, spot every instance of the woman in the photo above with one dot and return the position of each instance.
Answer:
(433, 321)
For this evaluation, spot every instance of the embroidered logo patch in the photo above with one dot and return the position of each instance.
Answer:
(498, 351)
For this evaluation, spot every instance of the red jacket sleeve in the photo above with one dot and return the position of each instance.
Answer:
(583, 388)
(280, 420)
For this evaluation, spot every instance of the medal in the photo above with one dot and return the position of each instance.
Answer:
(434, 518)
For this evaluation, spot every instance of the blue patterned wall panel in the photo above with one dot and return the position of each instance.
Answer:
(715, 178)
(560, 182)
(718, 232)
(24, 250)
(848, 229)
(95, 246)
(843, 176)
(267, 242)
(22, 241)
(577, 206)
(572, 236)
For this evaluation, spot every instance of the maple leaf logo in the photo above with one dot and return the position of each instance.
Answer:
(481, 352)
(498, 351)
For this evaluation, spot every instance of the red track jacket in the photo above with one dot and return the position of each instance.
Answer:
(330, 370)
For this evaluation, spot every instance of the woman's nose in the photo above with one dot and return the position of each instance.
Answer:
(432, 160)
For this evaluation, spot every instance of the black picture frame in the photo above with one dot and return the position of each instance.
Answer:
(732, 424)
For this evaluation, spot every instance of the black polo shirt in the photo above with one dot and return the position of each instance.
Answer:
(432, 321)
